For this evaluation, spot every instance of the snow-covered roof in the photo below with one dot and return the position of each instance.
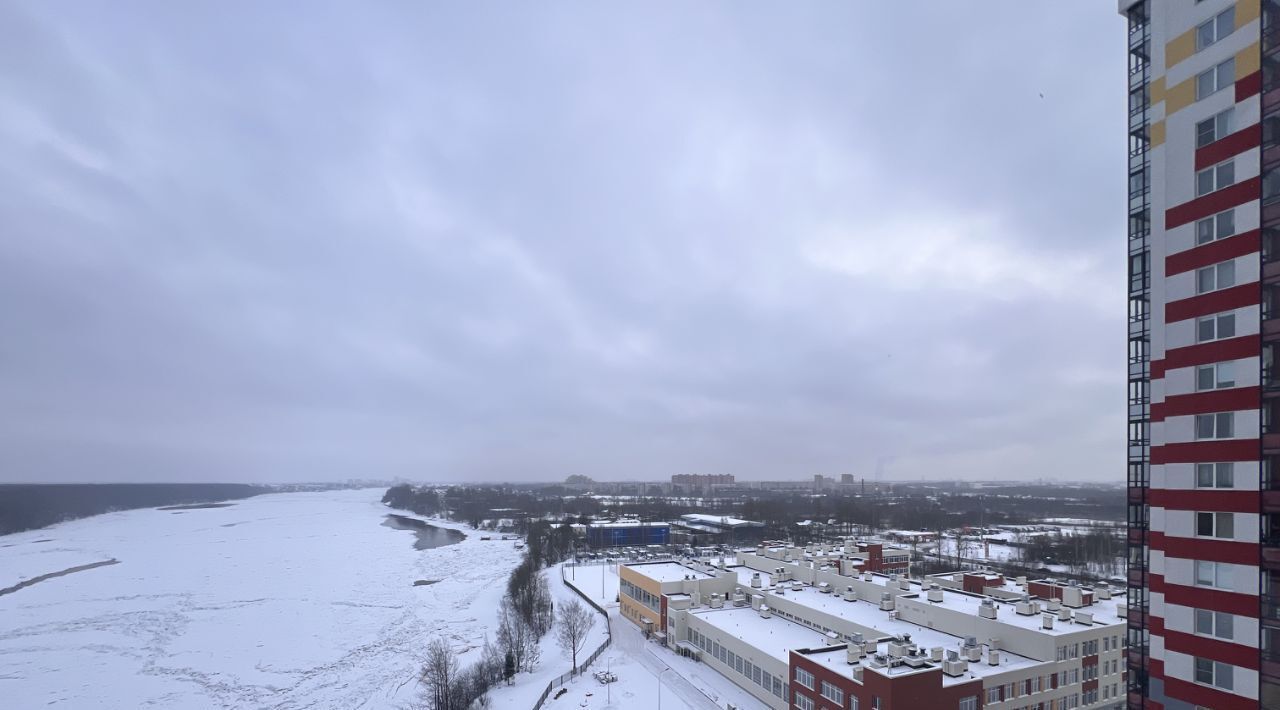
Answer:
(774, 636)
(720, 520)
(667, 571)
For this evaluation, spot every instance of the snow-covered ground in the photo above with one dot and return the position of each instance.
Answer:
(300, 600)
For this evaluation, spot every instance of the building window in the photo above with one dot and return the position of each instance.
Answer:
(832, 693)
(1214, 623)
(1218, 226)
(1215, 79)
(804, 702)
(1215, 178)
(969, 703)
(1216, 277)
(804, 678)
(1213, 574)
(1215, 426)
(1215, 475)
(1214, 30)
(1215, 128)
(1216, 525)
(993, 695)
(1216, 376)
(1214, 673)
(1216, 327)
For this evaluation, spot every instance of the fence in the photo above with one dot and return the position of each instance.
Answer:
(565, 677)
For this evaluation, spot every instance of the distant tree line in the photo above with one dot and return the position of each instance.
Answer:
(31, 506)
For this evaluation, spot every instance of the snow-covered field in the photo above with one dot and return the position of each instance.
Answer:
(300, 600)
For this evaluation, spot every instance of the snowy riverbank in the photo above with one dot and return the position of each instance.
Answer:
(282, 601)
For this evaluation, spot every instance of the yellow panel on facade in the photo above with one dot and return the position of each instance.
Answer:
(1248, 61)
(1156, 90)
(1179, 96)
(1247, 11)
(1157, 133)
(1181, 47)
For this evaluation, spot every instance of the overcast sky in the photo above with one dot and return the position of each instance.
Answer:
(279, 241)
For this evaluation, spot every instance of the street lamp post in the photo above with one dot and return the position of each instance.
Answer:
(664, 670)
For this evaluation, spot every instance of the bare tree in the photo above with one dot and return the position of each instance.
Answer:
(573, 622)
(438, 675)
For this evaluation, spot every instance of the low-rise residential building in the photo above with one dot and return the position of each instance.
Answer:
(807, 629)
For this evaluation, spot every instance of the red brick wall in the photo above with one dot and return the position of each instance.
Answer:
(905, 692)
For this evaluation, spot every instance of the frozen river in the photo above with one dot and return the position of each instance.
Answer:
(299, 600)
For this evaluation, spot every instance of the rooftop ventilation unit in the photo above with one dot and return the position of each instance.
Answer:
(955, 667)
(854, 653)
(739, 599)
(764, 611)
(717, 601)
(904, 583)
(1026, 607)
(935, 654)
(987, 609)
(1054, 605)
(915, 661)
(757, 601)
(824, 587)
(857, 673)
(1084, 617)
(935, 593)
(755, 580)
(973, 654)
(886, 601)
(850, 595)
(1073, 596)
(893, 576)
(879, 660)
(1102, 592)
(868, 577)
(780, 591)
(1046, 620)
(1064, 614)
(993, 657)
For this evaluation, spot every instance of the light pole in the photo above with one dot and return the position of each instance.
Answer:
(664, 670)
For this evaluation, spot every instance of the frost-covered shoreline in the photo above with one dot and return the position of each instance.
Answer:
(281, 601)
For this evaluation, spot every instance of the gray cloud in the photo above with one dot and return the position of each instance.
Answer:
(468, 242)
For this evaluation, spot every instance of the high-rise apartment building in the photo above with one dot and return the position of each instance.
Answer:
(1204, 289)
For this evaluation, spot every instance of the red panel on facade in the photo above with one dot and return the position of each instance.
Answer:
(1213, 252)
(1248, 86)
(1212, 599)
(1203, 548)
(1204, 499)
(1227, 400)
(1203, 353)
(1155, 625)
(1211, 450)
(1213, 203)
(1227, 146)
(1239, 296)
(1205, 696)
(1217, 649)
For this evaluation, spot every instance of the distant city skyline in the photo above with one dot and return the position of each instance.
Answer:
(294, 242)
